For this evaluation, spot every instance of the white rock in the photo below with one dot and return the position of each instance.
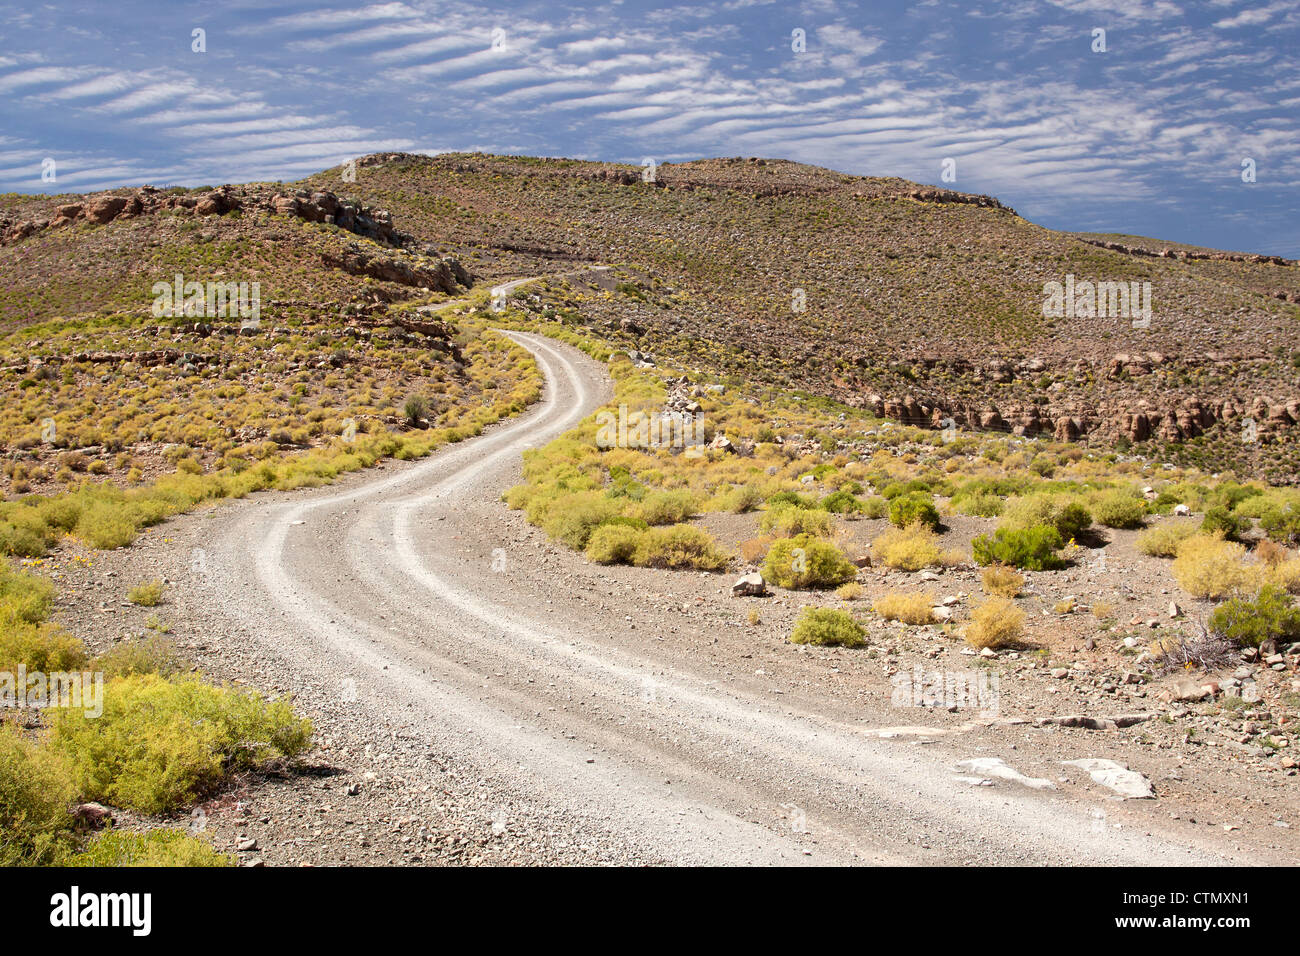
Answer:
(995, 767)
(1127, 783)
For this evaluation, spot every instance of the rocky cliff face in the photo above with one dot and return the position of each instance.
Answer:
(313, 206)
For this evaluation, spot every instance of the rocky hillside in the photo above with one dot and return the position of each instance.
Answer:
(923, 304)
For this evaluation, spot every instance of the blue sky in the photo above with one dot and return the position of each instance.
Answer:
(1147, 137)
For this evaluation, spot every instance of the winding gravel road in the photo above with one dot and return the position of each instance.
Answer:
(407, 590)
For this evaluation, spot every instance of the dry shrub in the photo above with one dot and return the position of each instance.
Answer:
(911, 549)
(755, 549)
(995, 623)
(1002, 581)
(849, 592)
(1210, 567)
(1285, 574)
(1270, 553)
(915, 608)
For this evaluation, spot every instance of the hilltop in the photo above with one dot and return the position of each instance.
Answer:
(918, 303)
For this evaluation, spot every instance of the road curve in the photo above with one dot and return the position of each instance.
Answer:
(410, 587)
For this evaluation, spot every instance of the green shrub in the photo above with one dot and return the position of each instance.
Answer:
(160, 744)
(742, 498)
(667, 507)
(1068, 517)
(572, 518)
(827, 626)
(806, 561)
(414, 409)
(164, 847)
(24, 598)
(35, 795)
(875, 507)
(146, 593)
(791, 498)
(106, 525)
(1033, 549)
(1251, 622)
(1222, 522)
(40, 647)
(785, 521)
(913, 508)
(613, 544)
(1282, 524)
(1118, 509)
(679, 546)
(842, 502)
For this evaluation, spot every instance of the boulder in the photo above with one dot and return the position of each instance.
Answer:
(749, 585)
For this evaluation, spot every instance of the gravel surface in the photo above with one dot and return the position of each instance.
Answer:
(482, 695)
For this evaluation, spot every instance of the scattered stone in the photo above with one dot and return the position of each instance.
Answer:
(1129, 784)
(749, 585)
(994, 767)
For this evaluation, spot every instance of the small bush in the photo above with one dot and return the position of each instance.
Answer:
(842, 502)
(146, 593)
(1118, 509)
(1002, 581)
(572, 518)
(806, 561)
(785, 521)
(1163, 540)
(1211, 568)
(1285, 575)
(911, 549)
(753, 550)
(106, 525)
(874, 507)
(24, 598)
(1069, 518)
(981, 505)
(1223, 523)
(613, 544)
(414, 409)
(1249, 623)
(35, 794)
(160, 744)
(742, 498)
(164, 847)
(667, 507)
(1033, 549)
(913, 508)
(995, 623)
(40, 647)
(679, 546)
(915, 608)
(849, 592)
(791, 498)
(1282, 524)
(154, 654)
(827, 627)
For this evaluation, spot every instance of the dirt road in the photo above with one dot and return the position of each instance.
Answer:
(410, 596)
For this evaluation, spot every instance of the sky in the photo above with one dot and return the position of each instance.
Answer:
(1160, 118)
